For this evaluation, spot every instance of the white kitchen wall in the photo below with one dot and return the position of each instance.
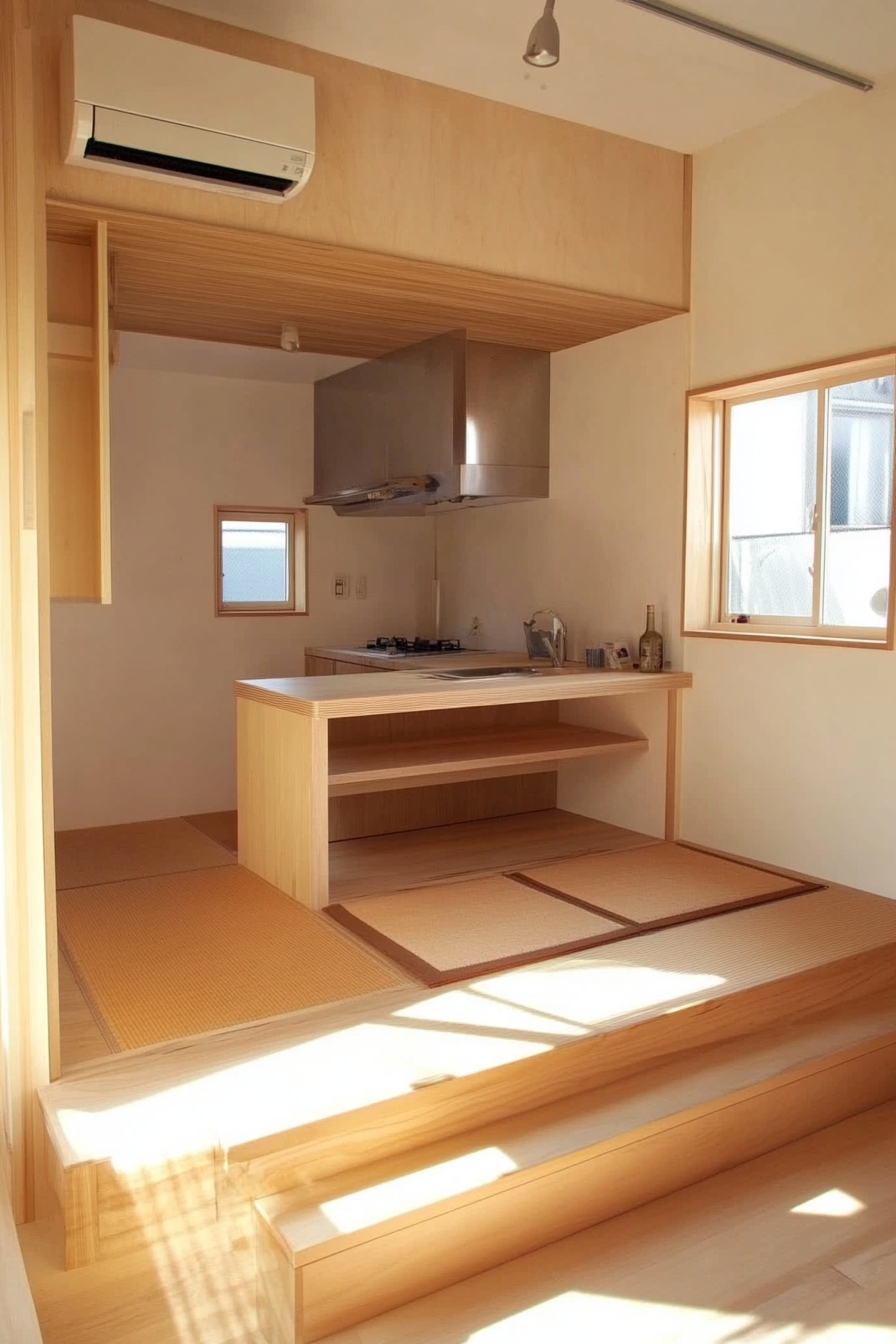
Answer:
(143, 720)
(790, 752)
(605, 544)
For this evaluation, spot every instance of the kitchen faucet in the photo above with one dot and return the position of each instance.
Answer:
(551, 642)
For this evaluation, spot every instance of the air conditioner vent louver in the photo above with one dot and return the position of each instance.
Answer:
(171, 163)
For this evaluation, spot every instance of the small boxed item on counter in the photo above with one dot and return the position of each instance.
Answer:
(612, 654)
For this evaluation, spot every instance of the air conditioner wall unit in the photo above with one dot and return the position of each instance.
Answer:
(137, 103)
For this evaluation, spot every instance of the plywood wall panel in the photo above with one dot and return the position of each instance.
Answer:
(416, 170)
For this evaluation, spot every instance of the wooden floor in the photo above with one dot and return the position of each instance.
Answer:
(794, 1247)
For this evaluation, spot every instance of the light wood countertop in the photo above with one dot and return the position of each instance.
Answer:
(400, 662)
(350, 696)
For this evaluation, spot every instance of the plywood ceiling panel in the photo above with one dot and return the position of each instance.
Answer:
(180, 278)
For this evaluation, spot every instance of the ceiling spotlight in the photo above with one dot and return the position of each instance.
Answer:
(543, 47)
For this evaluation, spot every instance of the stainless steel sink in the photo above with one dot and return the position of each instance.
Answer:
(485, 673)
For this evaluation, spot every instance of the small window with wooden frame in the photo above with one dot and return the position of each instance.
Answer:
(260, 562)
(789, 504)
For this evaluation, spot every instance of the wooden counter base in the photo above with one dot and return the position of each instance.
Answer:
(301, 741)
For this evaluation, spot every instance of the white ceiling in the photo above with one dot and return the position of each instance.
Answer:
(621, 69)
(174, 354)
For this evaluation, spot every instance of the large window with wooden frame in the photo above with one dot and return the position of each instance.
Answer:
(789, 505)
(260, 561)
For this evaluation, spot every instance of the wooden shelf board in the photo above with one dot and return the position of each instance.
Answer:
(395, 764)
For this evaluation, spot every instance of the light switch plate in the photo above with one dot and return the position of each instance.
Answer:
(342, 585)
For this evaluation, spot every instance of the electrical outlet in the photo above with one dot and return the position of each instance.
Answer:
(361, 586)
(342, 585)
(475, 626)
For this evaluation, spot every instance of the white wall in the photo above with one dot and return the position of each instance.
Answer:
(606, 543)
(790, 752)
(142, 690)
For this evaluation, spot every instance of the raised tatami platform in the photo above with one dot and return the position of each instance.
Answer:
(361, 1155)
(237, 1087)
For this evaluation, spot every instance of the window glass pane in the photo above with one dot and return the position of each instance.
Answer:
(255, 561)
(857, 551)
(771, 503)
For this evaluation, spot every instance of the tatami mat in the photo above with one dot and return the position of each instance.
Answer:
(461, 929)
(661, 882)
(179, 954)
(480, 925)
(139, 849)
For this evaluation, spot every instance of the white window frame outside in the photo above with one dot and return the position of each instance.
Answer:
(706, 508)
(296, 603)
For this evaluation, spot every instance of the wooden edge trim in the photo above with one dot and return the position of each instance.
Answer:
(687, 228)
(818, 366)
(394, 951)
(105, 1029)
(433, 976)
(672, 801)
(742, 632)
(570, 900)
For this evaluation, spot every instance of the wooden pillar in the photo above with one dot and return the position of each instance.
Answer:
(28, 984)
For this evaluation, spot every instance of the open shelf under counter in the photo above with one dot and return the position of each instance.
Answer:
(452, 757)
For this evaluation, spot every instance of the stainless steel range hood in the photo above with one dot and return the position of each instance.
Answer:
(446, 423)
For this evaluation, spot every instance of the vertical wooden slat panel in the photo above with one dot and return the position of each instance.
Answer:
(103, 396)
(282, 800)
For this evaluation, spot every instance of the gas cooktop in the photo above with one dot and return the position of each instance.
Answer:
(394, 647)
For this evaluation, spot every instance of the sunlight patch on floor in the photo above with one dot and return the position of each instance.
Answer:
(338, 1072)
(580, 1317)
(417, 1189)
(595, 989)
(585, 1316)
(472, 1008)
(831, 1204)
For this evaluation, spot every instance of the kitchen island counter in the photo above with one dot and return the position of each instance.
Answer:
(414, 730)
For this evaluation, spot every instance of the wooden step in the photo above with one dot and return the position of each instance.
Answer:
(184, 1135)
(338, 1252)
